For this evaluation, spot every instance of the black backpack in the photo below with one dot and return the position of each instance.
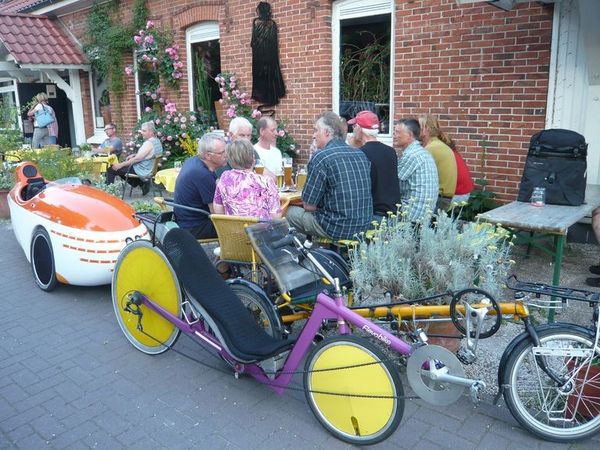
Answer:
(557, 161)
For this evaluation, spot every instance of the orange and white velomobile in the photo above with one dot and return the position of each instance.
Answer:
(70, 233)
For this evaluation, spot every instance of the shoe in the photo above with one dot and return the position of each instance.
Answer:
(594, 282)
(595, 269)
(145, 188)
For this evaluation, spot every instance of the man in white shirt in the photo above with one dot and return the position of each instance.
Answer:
(265, 147)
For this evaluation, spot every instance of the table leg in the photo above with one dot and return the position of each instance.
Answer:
(559, 245)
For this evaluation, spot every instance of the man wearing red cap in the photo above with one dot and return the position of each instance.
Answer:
(385, 186)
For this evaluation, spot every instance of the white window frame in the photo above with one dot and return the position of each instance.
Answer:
(350, 9)
(201, 32)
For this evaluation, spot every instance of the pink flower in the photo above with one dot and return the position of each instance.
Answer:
(147, 109)
(176, 119)
(232, 79)
(161, 100)
(183, 120)
(149, 39)
(184, 135)
(137, 39)
(153, 97)
(159, 134)
(142, 33)
(149, 24)
(192, 118)
(157, 121)
(281, 133)
(183, 126)
(230, 112)
(171, 108)
(148, 93)
(256, 114)
(129, 70)
(169, 138)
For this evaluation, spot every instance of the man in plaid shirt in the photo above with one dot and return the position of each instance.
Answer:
(337, 193)
(419, 183)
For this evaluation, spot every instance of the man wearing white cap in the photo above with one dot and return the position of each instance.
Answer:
(385, 186)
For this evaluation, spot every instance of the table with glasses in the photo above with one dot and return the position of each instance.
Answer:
(531, 224)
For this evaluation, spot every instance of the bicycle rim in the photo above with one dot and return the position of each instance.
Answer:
(556, 413)
(359, 420)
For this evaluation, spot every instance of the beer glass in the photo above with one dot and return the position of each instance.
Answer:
(301, 176)
(259, 168)
(287, 172)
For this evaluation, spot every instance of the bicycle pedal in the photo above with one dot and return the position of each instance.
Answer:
(466, 356)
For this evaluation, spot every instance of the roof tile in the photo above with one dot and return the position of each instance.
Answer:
(38, 40)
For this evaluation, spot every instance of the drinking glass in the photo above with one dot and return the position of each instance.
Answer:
(287, 172)
(301, 176)
(259, 167)
(538, 196)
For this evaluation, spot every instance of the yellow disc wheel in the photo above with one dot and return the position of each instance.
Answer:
(144, 268)
(369, 403)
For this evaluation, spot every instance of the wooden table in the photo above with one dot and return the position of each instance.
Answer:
(547, 220)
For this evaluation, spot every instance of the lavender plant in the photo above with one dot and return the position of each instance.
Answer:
(412, 262)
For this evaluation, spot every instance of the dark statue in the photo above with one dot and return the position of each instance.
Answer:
(267, 82)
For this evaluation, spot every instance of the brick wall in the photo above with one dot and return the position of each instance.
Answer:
(483, 70)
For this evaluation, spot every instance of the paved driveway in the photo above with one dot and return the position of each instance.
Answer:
(69, 379)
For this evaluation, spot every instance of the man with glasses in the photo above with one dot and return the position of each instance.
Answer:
(112, 144)
(196, 186)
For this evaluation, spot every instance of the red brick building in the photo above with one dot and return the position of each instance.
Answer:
(494, 76)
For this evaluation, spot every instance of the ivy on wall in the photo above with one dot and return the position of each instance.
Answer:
(107, 41)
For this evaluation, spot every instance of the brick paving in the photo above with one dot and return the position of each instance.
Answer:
(70, 380)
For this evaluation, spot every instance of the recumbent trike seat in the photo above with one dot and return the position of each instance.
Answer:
(207, 290)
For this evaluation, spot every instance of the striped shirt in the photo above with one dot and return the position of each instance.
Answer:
(338, 183)
(419, 184)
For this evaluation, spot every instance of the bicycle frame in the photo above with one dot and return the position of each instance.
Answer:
(326, 309)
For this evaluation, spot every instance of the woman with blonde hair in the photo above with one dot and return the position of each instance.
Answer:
(432, 131)
(240, 191)
(43, 133)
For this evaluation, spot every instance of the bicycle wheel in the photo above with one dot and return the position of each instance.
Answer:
(369, 403)
(560, 412)
(259, 307)
(144, 268)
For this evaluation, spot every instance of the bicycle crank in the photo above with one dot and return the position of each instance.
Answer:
(437, 376)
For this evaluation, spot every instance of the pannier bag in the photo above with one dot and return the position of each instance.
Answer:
(557, 161)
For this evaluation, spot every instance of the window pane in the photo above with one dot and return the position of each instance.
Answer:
(206, 63)
(101, 101)
(365, 44)
(148, 82)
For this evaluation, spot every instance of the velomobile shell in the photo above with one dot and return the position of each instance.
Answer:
(87, 228)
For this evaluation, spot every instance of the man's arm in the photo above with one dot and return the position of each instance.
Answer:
(309, 208)
(143, 153)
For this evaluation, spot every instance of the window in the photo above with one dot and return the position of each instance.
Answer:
(204, 64)
(363, 36)
(101, 101)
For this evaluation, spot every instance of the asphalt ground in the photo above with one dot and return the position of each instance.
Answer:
(69, 379)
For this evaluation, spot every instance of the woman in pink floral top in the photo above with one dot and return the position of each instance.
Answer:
(240, 191)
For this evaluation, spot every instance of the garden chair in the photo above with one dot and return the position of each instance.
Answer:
(149, 180)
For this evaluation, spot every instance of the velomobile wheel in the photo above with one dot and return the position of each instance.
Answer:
(144, 268)
(42, 260)
(370, 402)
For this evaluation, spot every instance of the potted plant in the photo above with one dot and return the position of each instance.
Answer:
(412, 262)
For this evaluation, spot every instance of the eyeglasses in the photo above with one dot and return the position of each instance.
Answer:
(219, 153)
(109, 128)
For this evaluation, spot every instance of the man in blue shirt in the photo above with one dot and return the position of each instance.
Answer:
(196, 186)
(337, 193)
(417, 172)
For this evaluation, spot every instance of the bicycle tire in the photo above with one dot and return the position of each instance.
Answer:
(144, 268)
(357, 420)
(260, 308)
(535, 400)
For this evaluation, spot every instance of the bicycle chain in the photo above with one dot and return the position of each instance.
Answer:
(291, 386)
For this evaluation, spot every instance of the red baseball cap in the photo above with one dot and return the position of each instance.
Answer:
(366, 119)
